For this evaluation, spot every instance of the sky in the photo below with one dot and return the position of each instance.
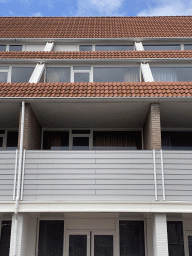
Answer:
(79, 8)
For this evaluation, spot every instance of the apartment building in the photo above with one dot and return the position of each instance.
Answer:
(96, 136)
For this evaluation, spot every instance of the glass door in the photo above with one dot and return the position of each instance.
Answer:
(78, 243)
(102, 243)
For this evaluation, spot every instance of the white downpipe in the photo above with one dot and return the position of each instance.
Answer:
(19, 178)
(155, 174)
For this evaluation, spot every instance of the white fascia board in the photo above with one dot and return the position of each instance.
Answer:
(37, 73)
(139, 46)
(147, 207)
(48, 47)
(146, 72)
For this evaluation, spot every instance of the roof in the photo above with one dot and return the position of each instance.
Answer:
(95, 54)
(95, 27)
(141, 89)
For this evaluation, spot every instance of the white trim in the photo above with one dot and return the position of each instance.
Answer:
(23, 173)
(15, 176)
(186, 247)
(139, 46)
(162, 174)
(155, 174)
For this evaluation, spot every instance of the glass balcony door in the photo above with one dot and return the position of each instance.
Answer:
(89, 243)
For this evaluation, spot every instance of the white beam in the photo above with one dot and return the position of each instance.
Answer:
(139, 46)
(49, 47)
(146, 72)
(37, 73)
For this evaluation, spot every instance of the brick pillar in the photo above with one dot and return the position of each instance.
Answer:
(32, 129)
(152, 128)
(160, 240)
(22, 230)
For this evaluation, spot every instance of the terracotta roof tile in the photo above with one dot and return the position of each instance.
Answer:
(95, 55)
(95, 27)
(140, 89)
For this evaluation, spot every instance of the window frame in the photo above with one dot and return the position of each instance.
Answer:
(5, 137)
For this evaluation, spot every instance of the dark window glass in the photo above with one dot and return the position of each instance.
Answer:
(161, 47)
(115, 74)
(176, 140)
(2, 131)
(80, 143)
(172, 74)
(2, 47)
(15, 47)
(190, 245)
(12, 140)
(131, 238)
(114, 48)
(51, 238)
(188, 47)
(3, 77)
(175, 238)
(21, 75)
(116, 140)
(103, 245)
(5, 238)
(81, 68)
(81, 77)
(56, 140)
(58, 75)
(1, 143)
(80, 131)
(85, 48)
(77, 245)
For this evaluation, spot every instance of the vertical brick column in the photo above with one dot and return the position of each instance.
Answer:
(152, 128)
(160, 239)
(32, 130)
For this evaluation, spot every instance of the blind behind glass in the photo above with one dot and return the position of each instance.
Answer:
(21, 74)
(56, 140)
(3, 77)
(175, 238)
(5, 238)
(58, 74)
(114, 48)
(2, 47)
(162, 47)
(105, 74)
(51, 238)
(172, 74)
(131, 238)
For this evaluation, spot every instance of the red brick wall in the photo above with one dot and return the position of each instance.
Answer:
(152, 128)
(32, 129)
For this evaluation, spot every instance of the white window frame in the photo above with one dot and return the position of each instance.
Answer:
(89, 135)
(186, 247)
(90, 72)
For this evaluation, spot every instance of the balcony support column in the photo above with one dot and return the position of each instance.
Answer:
(152, 128)
(32, 130)
(22, 227)
(160, 240)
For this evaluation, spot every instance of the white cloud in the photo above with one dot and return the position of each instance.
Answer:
(99, 7)
(168, 8)
(37, 14)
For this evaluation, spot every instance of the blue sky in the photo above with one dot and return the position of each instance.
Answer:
(95, 7)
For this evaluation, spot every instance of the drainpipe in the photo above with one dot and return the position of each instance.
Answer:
(19, 178)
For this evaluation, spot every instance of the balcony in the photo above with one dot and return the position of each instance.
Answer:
(98, 175)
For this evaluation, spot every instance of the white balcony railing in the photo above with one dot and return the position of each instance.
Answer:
(98, 175)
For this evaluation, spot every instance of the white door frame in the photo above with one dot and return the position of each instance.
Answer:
(99, 232)
(186, 247)
(76, 232)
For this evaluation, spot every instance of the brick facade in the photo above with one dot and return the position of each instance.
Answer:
(32, 129)
(152, 128)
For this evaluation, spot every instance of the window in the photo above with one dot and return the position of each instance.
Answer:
(4, 74)
(2, 47)
(162, 47)
(116, 74)
(172, 74)
(21, 74)
(131, 235)
(5, 238)
(175, 238)
(114, 48)
(116, 140)
(176, 140)
(82, 74)
(188, 47)
(85, 47)
(58, 74)
(12, 140)
(56, 140)
(15, 47)
(51, 235)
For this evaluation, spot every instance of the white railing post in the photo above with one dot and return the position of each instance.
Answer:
(155, 174)
(162, 173)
